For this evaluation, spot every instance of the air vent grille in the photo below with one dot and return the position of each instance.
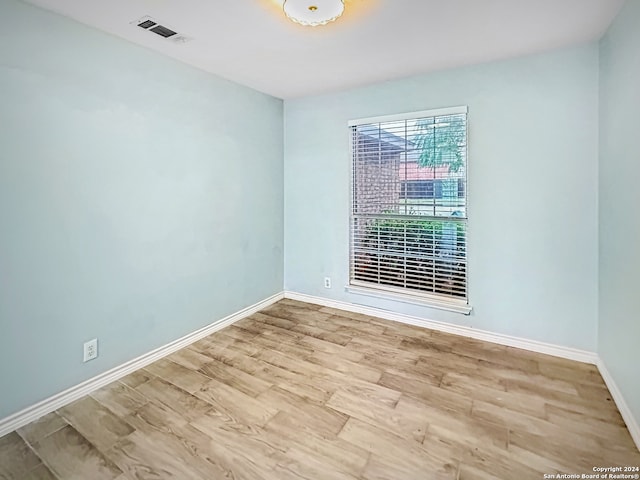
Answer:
(163, 31)
(147, 24)
(151, 25)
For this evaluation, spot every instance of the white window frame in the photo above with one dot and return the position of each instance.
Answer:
(431, 300)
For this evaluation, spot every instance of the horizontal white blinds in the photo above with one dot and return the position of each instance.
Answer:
(409, 210)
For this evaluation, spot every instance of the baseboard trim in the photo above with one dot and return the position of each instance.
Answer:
(48, 405)
(625, 411)
(507, 340)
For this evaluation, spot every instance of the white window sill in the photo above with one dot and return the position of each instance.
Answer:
(450, 305)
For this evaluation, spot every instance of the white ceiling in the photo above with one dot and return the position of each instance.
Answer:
(251, 41)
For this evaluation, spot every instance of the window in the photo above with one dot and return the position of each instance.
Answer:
(411, 189)
(426, 189)
(409, 210)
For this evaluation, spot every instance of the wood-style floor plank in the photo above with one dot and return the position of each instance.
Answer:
(41, 472)
(174, 398)
(377, 413)
(156, 455)
(119, 398)
(136, 378)
(180, 376)
(398, 453)
(71, 456)
(16, 458)
(310, 466)
(42, 427)
(345, 456)
(453, 427)
(95, 422)
(318, 418)
(235, 378)
(300, 391)
(233, 402)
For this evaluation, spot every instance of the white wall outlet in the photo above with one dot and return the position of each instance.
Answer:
(90, 350)
(327, 282)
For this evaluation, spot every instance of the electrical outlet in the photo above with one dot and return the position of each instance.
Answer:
(90, 350)
(327, 282)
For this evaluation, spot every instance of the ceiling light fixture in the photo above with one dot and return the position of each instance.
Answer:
(313, 12)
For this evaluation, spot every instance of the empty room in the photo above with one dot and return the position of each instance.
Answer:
(319, 239)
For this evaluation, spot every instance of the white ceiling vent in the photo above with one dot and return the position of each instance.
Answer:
(151, 25)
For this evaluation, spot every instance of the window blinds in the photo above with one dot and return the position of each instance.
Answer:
(409, 209)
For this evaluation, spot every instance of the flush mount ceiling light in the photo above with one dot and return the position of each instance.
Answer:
(313, 12)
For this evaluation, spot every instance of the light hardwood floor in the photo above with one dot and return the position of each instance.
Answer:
(303, 392)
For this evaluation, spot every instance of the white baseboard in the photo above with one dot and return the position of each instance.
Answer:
(61, 399)
(526, 344)
(625, 411)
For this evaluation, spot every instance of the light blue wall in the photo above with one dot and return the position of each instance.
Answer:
(140, 199)
(533, 150)
(619, 334)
